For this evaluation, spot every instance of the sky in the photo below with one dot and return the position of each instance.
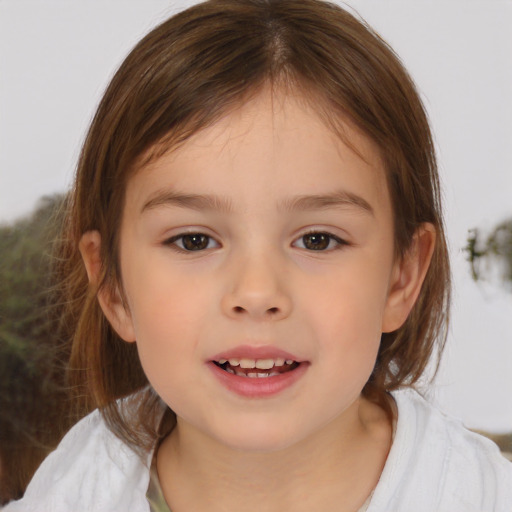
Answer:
(56, 58)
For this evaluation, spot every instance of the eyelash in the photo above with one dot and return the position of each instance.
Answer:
(173, 241)
(339, 242)
(323, 236)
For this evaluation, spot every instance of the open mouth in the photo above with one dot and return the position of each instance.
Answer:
(257, 368)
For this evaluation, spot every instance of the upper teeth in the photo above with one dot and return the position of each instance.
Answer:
(262, 364)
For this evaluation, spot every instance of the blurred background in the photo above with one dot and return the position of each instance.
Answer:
(56, 57)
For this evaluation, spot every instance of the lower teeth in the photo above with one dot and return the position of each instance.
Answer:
(257, 374)
(252, 375)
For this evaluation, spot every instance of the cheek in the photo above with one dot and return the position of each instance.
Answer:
(161, 295)
(167, 321)
(166, 310)
(345, 314)
(168, 334)
(349, 304)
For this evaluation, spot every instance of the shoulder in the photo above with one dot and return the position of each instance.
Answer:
(91, 469)
(437, 464)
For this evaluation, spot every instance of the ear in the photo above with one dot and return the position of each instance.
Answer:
(110, 301)
(407, 278)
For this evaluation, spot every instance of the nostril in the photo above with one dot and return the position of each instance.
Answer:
(271, 311)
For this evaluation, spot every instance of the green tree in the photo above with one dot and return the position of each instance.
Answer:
(486, 254)
(34, 410)
(492, 252)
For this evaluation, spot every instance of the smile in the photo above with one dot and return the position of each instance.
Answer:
(257, 372)
(256, 368)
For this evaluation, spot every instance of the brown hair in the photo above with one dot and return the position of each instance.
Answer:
(182, 77)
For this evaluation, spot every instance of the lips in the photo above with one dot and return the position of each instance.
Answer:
(257, 371)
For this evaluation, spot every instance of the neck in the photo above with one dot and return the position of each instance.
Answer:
(334, 469)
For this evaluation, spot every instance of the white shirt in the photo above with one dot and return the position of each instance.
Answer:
(434, 465)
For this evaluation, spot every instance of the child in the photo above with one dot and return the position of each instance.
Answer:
(256, 276)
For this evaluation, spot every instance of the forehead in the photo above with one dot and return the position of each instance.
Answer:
(275, 143)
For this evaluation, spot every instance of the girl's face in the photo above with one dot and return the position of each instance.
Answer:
(262, 239)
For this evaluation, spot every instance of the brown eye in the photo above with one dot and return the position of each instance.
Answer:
(192, 242)
(316, 241)
(195, 242)
(319, 241)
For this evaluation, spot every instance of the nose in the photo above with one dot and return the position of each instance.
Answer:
(257, 289)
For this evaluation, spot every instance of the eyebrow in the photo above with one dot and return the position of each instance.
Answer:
(192, 201)
(339, 199)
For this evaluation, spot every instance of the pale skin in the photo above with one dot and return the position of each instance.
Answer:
(255, 185)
